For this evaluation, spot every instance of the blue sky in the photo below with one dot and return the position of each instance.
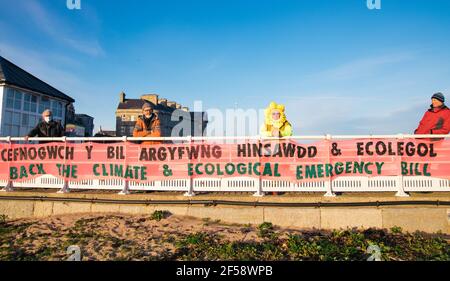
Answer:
(339, 67)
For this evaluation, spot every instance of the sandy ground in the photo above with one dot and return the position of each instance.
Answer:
(162, 236)
(114, 236)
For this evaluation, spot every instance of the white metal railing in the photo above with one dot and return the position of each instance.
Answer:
(204, 138)
(401, 185)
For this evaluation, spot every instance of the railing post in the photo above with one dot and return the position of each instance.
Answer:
(126, 186)
(328, 183)
(401, 188)
(259, 192)
(65, 188)
(9, 186)
(399, 182)
(190, 192)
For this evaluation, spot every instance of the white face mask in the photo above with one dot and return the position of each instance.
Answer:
(48, 119)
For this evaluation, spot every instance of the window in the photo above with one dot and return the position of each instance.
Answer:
(60, 109)
(18, 124)
(34, 120)
(16, 118)
(15, 131)
(8, 117)
(130, 130)
(56, 108)
(30, 103)
(7, 123)
(13, 99)
(25, 120)
(6, 130)
(24, 130)
(44, 104)
(9, 98)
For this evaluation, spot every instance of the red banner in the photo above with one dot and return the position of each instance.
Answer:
(276, 160)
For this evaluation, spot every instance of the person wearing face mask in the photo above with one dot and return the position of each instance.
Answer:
(148, 125)
(436, 121)
(47, 128)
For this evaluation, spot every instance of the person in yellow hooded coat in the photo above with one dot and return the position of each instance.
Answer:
(275, 123)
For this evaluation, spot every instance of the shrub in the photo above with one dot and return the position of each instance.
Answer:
(3, 219)
(159, 215)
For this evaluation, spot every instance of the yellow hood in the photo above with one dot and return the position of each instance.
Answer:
(268, 115)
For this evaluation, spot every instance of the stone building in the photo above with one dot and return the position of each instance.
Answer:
(129, 110)
(87, 122)
(78, 125)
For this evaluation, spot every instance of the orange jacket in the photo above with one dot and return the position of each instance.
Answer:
(140, 130)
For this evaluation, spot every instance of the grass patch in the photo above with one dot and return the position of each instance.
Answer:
(160, 215)
(344, 245)
(3, 219)
(266, 242)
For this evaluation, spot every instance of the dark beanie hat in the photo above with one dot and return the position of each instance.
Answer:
(439, 96)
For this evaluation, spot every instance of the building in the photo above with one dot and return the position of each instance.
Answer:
(78, 125)
(75, 130)
(106, 133)
(23, 98)
(129, 110)
(87, 122)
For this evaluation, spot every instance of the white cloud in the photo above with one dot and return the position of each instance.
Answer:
(352, 115)
(59, 30)
(362, 67)
(47, 67)
(38, 65)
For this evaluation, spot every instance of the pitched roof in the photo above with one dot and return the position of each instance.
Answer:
(11, 74)
(131, 104)
(138, 103)
(83, 115)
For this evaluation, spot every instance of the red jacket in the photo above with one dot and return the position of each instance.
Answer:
(435, 121)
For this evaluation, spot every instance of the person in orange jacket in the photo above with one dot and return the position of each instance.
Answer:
(148, 125)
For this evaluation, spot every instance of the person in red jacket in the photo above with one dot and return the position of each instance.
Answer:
(436, 120)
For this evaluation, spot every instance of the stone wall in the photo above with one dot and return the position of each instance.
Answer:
(429, 219)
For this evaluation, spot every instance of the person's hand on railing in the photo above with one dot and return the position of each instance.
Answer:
(25, 138)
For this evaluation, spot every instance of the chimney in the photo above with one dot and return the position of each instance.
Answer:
(172, 104)
(153, 98)
(122, 97)
(162, 102)
(177, 106)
